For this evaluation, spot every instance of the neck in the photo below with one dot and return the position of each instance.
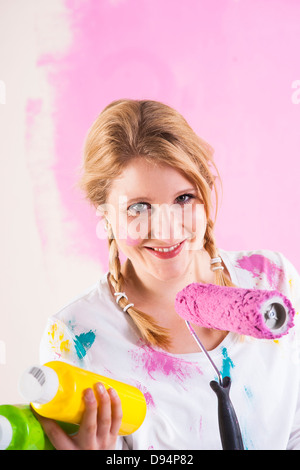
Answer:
(146, 286)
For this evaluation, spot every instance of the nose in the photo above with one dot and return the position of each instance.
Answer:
(166, 223)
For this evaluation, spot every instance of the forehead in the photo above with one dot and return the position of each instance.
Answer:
(141, 177)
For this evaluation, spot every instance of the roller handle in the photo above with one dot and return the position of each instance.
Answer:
(228, 423)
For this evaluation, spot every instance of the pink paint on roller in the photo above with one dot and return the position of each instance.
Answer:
(251, 312)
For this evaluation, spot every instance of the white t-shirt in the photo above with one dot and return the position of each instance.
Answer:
(94, 333)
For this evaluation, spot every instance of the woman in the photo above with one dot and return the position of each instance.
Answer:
(153, 180)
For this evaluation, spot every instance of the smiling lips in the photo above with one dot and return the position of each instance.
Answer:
(164, 249)
(166, 253)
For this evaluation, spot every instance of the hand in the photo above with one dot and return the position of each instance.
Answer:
(99, 426)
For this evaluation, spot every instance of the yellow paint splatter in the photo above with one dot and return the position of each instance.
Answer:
(57, 339)
(52, 330)
(65, 346)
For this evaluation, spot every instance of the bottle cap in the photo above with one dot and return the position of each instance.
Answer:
(6, 433)
(39, 384)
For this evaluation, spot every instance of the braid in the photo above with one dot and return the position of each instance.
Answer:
(210, 246)
(114, 261)
(151, 332)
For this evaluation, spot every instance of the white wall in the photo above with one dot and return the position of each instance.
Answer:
(36, 280)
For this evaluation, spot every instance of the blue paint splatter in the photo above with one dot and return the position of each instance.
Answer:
(227, 364)
(83, 342)
(72, 324)
(248, 392)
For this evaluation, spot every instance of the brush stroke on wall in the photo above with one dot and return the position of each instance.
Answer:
(226, 66)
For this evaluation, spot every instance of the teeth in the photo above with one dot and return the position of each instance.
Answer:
(166, 249)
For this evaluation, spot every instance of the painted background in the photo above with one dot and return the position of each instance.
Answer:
(231, 67)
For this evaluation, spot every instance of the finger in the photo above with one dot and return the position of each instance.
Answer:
(88, 425)
(104, 411)
(116, 412)
(58, 438)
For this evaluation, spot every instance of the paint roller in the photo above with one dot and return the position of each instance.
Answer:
(252, 312)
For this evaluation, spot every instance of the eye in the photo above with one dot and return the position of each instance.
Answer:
(142, 207)
(138, 208)
(185, 198)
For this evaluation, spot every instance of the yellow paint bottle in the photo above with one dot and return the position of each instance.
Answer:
(55, 391)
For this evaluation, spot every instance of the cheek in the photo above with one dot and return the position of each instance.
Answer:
(199, 220)
(132, 241)
(137, 230)
(194, 220)
(132, 231)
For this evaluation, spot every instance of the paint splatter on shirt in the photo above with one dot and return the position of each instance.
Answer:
(93, 332)
(227, 364)
(159, 363)
(261, 266)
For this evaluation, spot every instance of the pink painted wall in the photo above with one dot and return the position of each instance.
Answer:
(227, 66)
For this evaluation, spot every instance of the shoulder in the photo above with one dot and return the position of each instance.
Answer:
(86, 305)
(256, 260)
(85, 321)
(264, 268)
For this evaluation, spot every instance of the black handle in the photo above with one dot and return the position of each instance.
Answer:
(228, 423)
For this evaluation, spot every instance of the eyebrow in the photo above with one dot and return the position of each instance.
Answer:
(145, 198)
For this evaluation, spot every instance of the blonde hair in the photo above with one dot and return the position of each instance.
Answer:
(127, 129)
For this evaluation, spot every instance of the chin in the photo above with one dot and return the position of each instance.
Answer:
(168, 274)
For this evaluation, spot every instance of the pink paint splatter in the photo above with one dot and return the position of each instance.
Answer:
(259, 265)
(159, 363)
(200, 424)
(147, 395)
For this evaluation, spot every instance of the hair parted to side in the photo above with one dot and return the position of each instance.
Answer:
(127, 129)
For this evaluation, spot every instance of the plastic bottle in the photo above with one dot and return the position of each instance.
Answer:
(20, 430)
(55, 391)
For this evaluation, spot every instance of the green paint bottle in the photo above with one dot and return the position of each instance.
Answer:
(20, 430)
